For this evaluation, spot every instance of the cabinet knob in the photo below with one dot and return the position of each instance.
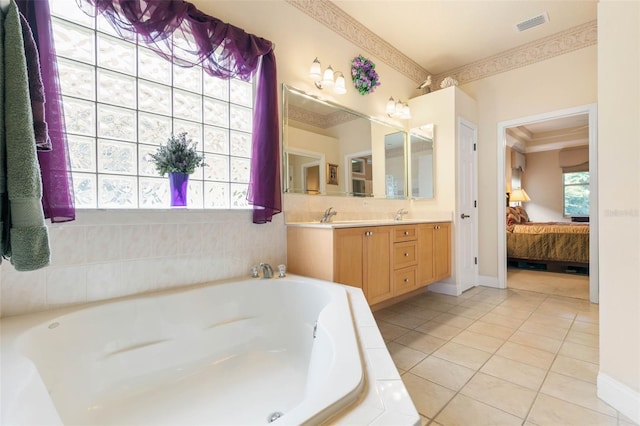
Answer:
(406, 255)
(406, 232)
(406, 280)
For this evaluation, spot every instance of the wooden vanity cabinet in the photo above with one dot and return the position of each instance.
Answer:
(434, 246)
(384, 261)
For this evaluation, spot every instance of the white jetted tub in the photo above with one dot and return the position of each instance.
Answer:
(244, 353)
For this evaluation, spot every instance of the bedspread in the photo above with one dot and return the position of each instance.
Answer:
(551, 241)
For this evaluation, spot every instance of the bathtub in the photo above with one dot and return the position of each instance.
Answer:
(249, 352)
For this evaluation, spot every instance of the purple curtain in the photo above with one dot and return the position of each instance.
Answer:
(55, 167)
(181, 33)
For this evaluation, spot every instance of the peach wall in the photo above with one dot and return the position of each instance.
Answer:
(619, 207)
(561, 82)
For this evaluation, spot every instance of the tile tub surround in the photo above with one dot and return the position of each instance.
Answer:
(493, 356)
(106, 254)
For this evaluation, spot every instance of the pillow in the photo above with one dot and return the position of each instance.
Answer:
(512, 216)
(524, 217)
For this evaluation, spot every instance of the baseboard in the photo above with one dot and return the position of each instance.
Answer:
(487, 281)
(619, 396)
(444, 287)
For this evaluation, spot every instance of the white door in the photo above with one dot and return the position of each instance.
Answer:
(466, 219)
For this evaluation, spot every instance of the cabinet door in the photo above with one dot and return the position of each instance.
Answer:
(377, 267)
(442, 251)
(426, 267)
(348, 258)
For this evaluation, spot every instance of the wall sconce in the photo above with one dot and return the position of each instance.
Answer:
(328, 79)
(398, 109)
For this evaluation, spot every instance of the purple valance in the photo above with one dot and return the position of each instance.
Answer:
(55, 167)
(181, 33)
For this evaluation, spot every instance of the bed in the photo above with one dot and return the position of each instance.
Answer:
(551, 243)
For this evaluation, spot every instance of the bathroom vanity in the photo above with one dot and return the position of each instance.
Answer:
(386, 259)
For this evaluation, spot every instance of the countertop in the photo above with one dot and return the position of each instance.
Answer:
(362, 223)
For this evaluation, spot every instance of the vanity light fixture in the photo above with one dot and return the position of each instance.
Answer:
(328, 79)
(398, 109)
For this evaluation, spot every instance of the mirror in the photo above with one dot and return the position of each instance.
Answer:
(421, 162)
(331, 150)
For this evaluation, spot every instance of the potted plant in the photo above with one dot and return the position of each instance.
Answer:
(179, 158)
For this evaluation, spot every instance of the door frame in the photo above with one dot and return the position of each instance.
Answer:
(592, 111)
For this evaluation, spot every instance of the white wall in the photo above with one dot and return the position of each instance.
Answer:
(542, 179)
(619, 204)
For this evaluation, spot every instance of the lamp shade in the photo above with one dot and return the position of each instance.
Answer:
(315, 72)
(519, 195)
(327, 78)
(340, 87)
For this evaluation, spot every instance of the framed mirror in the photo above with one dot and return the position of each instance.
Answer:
(421, 162)
(355, 155)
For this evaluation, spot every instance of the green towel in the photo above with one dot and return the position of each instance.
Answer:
(28, 242)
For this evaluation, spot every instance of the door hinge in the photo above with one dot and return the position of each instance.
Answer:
(475, 260)
(475, 203)
(474, 146)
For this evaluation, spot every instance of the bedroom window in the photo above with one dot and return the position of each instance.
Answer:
(576, 193)
(122, 100)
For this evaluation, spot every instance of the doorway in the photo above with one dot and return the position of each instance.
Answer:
(588, 114)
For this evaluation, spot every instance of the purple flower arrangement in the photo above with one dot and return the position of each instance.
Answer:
(364, 75)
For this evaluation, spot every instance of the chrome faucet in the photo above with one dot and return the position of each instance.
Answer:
(326, 217)
(267, 271)
(399, 214)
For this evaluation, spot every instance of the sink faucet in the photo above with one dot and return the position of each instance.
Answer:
(399, 214)
(326, 217)
(267, 270)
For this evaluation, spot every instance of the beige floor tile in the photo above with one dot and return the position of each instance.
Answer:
(575, 368)
(381, 314)
(466, 311)
(464, 411)
(536, 341)
(478, 341)
(424, 421)
(501, 320)
(438, 329)
(514, 371)
(527, 355)
(443, 372)
(550, 411)
(512, 313)
(592, 317)
(421, 342)
(582, 338)
(575, 391)
(477, 305)
(453, 320)
(391, 332)
(585, 327)
(420, 312)
(581, 352)
(557, 312)
(428, 397)
(550, 321)
(498, 393)
(493, 330)
(401, 371)
(462, 355)
(404, 357)
(434, 305)
(406, 321)
(543, 330)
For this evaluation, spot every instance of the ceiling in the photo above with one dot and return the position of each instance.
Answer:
(447, 34)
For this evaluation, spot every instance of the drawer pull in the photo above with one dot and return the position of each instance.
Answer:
(406, 255)
(406, 280)
(406, 232)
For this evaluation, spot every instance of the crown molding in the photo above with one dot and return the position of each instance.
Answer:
(536, 51)
(344, 25)
(321, 121)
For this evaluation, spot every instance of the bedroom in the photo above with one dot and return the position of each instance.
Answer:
(547, 223)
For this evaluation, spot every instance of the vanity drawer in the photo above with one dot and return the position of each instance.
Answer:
(405, 254)
(404, 233)
(405, 280)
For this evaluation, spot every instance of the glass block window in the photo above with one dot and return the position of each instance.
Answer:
(121, 100)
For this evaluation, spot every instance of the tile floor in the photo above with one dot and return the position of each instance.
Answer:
(497, 357)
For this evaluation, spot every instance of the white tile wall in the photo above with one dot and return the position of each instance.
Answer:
(109, 254)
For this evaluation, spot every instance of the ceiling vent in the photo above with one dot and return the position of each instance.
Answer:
(543, 18)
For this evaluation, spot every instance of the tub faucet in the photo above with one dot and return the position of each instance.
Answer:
(399, 214)
(267, 270)
(326, 217)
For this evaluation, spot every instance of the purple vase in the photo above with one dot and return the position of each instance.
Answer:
(178, 183)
